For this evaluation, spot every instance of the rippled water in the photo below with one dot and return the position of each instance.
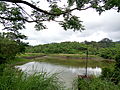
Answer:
(66, 74)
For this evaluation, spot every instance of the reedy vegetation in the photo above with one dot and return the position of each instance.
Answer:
(12, 79)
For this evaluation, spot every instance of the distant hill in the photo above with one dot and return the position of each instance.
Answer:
(105, 48)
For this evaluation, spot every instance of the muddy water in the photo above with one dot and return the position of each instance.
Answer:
(66, 74)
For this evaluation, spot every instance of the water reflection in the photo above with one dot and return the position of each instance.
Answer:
(67, 74)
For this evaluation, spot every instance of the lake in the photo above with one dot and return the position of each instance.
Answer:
(65, 73)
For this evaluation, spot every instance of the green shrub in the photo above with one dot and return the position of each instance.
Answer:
(106, 74)
(9, 49)
(107, 53)
(14, 80)
(112, 74)
(96, 84)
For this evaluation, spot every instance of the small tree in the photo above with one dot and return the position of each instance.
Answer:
(9, 48)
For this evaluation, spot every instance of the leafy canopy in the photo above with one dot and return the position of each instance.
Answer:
(13, 16)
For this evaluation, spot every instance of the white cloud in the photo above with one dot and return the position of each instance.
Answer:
(97, 27)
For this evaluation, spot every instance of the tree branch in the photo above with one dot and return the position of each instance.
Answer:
(25, 11)
(14, 19)
(43, 11)
(11, 19)
(29, 4)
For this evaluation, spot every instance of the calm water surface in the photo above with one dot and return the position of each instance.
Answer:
(66, 74)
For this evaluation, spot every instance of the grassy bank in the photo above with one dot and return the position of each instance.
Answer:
(74, 60)
(12, 79)
(22, 59)
(96, 84)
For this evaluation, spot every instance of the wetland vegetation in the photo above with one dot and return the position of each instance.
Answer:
(75, 59)
(104, 54)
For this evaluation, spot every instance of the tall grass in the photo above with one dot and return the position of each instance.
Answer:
(11, 79)
(96, 84)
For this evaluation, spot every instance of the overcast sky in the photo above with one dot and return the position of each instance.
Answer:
(106, 25)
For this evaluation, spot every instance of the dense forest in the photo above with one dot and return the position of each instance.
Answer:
(105, 48)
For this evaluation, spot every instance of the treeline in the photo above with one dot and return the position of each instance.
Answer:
(105, 48)
(63, 47)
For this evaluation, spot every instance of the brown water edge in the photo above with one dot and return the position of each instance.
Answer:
(93, 61)
(70, 57)
(33, 57)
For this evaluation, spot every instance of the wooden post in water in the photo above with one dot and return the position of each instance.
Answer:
(86, 73)
(86, 64)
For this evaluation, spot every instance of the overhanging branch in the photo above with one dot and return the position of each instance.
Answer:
(29, 4)
(14, 19)
(43, 11)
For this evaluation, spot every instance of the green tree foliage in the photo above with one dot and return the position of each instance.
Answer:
(106, 50)
(112, 75)
(9, 48)
(64, 47)
(13, 16)
(108, 53)
(105, 43)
